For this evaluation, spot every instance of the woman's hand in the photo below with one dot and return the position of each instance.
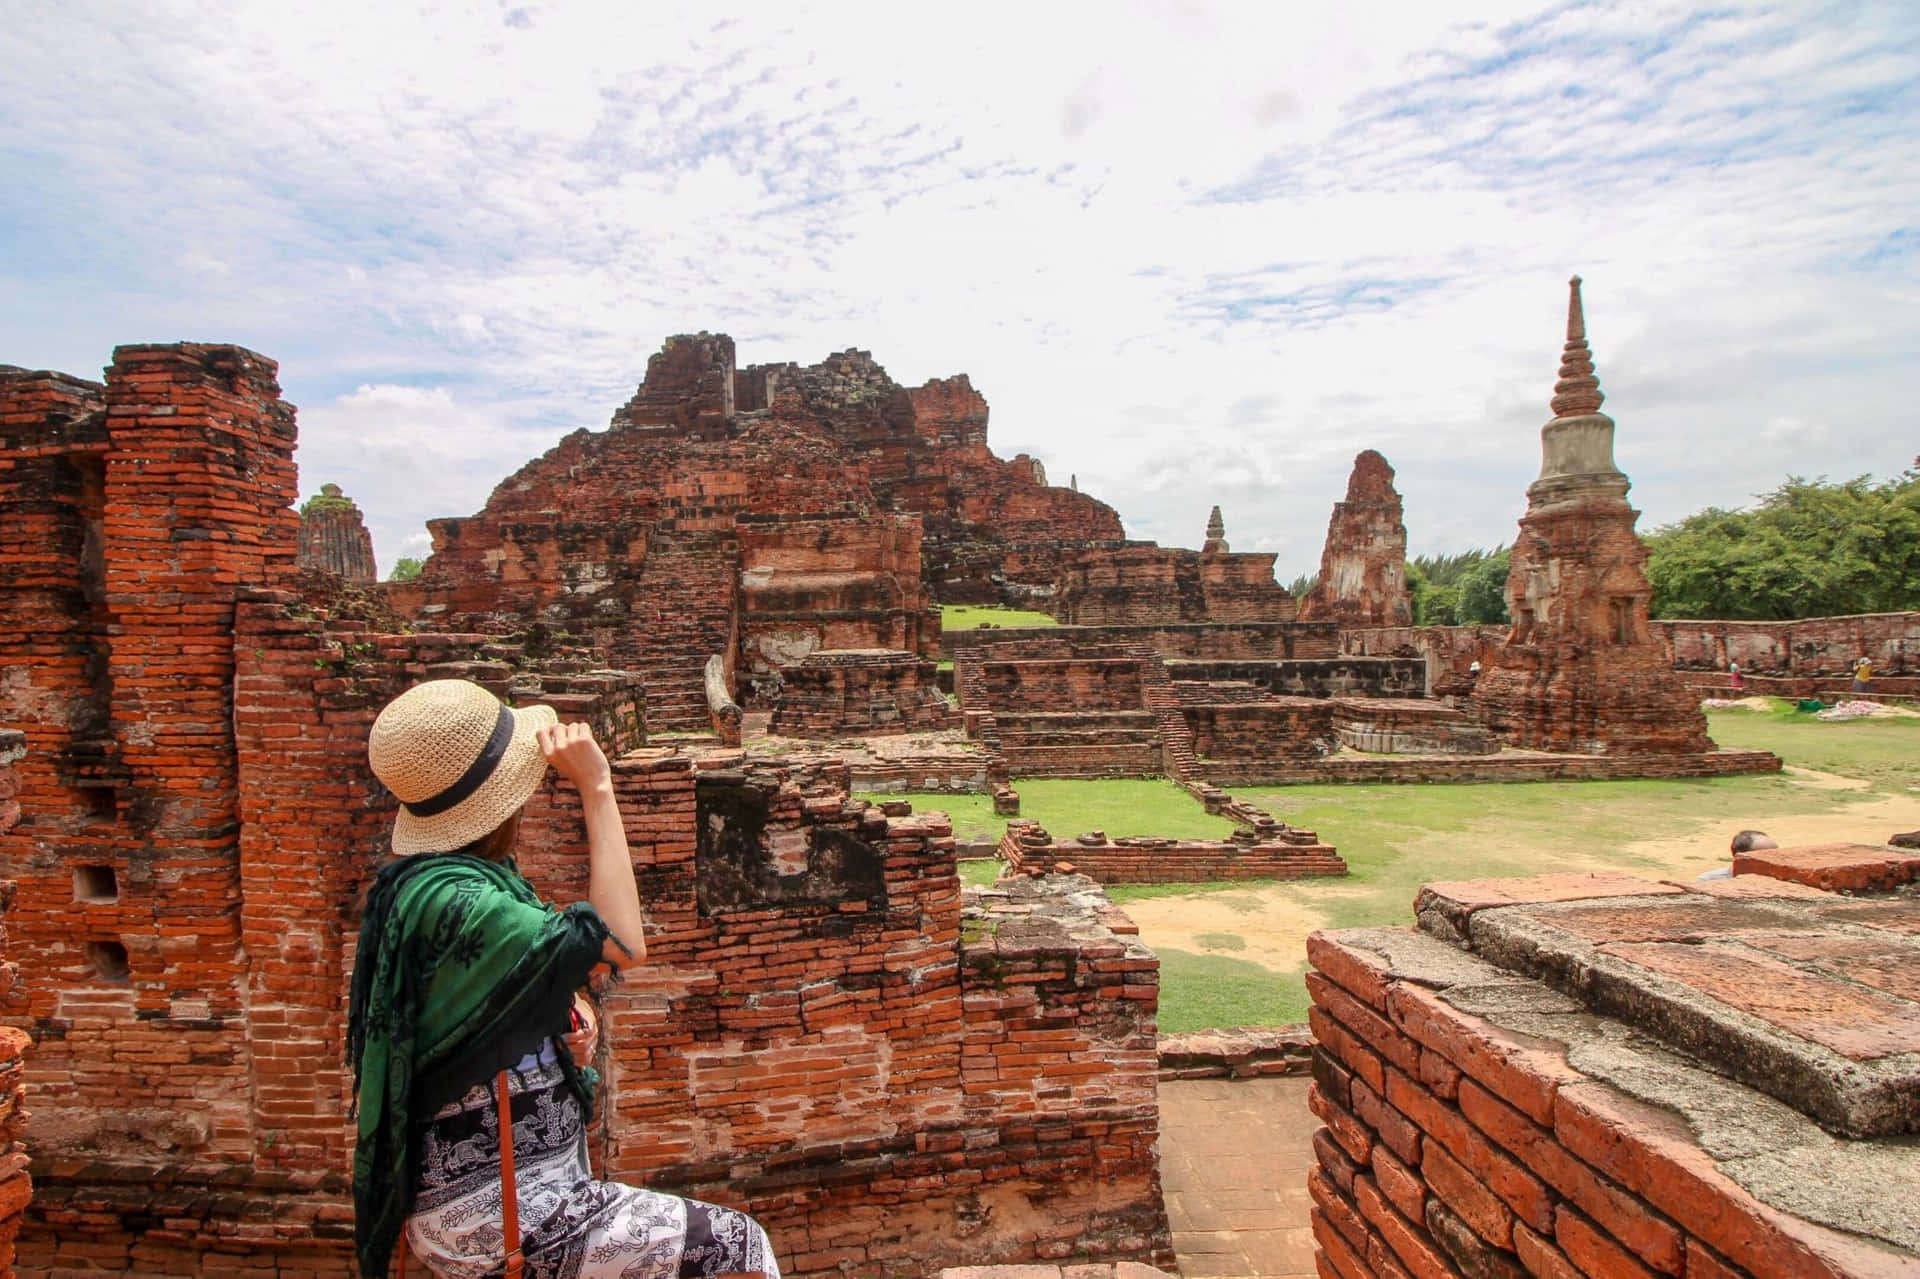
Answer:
(574, 754)
(584, 1038)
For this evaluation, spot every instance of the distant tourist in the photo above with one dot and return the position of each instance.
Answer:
(1733, 669)
(1745, 842)
(1473, 669)
(1863, 676)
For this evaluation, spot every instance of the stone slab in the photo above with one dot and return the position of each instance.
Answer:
(1813, 1008)
(1839, 868)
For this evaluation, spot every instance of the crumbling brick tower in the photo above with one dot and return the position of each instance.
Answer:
(130, 514)
(334, 538)
(1581, 670)
(1363, 568)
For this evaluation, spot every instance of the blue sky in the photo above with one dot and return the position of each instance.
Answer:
(1203, 255)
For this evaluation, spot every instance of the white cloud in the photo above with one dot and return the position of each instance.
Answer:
(1202, 255)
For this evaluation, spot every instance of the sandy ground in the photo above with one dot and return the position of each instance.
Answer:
(1273, 921)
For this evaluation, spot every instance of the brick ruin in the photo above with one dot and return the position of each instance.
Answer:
(1283, 853)
(1145, 584)
(1582, 670)
(1363, 569)
(826, 1034)
(1586, 1076)
(762, 514)
(16, 1184)
(334, 538)
(860, 692)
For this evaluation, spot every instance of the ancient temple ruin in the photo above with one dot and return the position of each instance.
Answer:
(1582, 669)
(1363, 569)
(915, 1082)
(334, 537)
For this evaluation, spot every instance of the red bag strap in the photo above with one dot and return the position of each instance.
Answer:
(509, 1194)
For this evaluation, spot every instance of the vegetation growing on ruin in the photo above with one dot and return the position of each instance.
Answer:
(329, 500)
(1811, 548)
(967, 617)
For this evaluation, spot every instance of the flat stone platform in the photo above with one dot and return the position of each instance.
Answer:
(1807, 996)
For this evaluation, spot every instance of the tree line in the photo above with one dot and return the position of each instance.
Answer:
(1809, 548)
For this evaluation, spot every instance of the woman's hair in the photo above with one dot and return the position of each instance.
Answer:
(496, 843)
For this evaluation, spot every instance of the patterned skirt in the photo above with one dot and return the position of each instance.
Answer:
(572, 1227)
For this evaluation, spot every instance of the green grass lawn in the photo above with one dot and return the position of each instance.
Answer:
(1394, 838)
(980, 872)
(967, 617)
(1884, 751)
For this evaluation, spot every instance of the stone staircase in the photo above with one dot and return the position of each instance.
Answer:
(1163, 701)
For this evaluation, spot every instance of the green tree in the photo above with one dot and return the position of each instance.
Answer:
(405, 569)
(1483, 591)
(1810, 548)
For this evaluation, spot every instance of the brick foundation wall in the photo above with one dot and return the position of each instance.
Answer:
(1493, 768)
(1462, 1138)
(861, 693)
(1393, 726)
(1142, 584)
(1028, 849)
(1316, 677)
(1223, 641)
(1810, 647)
(1257, 731)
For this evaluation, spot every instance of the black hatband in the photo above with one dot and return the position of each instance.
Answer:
(476, 774)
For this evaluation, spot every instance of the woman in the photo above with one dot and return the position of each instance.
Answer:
(463, 995)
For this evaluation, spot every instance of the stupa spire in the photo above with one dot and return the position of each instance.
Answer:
(1216, 533)
(1577, 393)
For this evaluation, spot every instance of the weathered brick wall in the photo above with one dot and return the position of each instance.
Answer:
(1214, 641)
(1812, 646)
(1479, 1123)
(1254, 731)
(1028, 849)
(1449, 651)
(861, 693)
(1363, 567)
(1143, 584)
(1403, 726)
(1490, 768)
(138, 507)
(1400, 677)
(829, 582)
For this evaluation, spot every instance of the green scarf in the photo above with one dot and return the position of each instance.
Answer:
(461, 971)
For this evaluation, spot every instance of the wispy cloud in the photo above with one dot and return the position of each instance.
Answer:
(1201, 256)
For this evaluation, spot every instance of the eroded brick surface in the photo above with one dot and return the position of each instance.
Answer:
(1363, 568)
(1529, 1165)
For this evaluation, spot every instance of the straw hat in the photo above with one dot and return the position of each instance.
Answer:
(460, 762)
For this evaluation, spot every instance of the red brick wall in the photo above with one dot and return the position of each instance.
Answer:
(1274, 727)
(1813, 646)
(1453, 1147)
(1220, 641)
(839, 694)
(1142, 584)
(1029, 850)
